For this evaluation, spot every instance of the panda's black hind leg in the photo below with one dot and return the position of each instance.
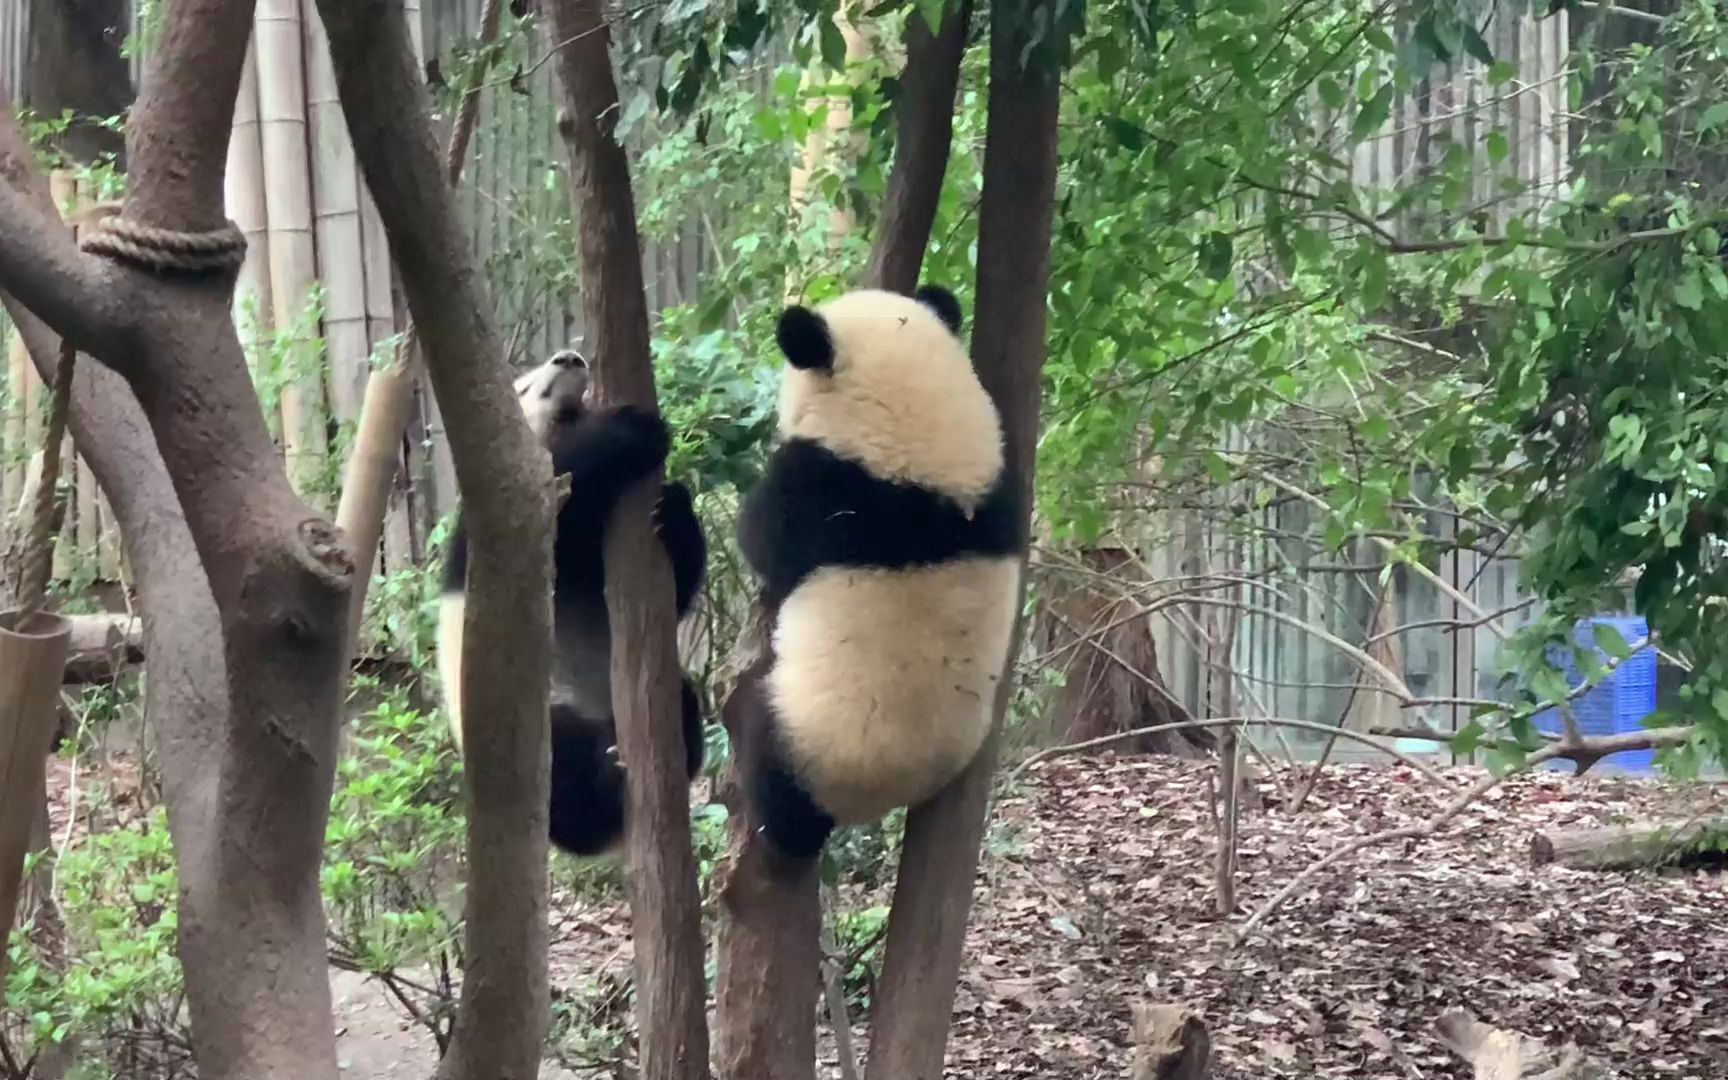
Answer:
(695, 745)
(587, 808)
(794, 824)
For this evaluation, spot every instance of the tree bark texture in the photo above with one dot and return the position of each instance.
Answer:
(769, 949)
(504, 477)
(770, 946)
(74, 62)
(923, 140)
(248, 763)
(1108, 658)
(665, 903)
(933, 892)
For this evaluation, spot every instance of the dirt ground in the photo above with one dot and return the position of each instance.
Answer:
(1096, 893)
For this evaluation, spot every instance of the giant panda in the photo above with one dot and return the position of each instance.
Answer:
(888, 536)
(605, 452)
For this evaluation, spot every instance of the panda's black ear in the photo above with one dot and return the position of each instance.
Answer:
(804, 338)
(942, 302)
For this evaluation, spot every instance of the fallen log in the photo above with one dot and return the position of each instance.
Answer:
(1634, 847)
(1170, 1043)
(103, 646)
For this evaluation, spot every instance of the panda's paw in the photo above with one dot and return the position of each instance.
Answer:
(674, 503)
(646, 431)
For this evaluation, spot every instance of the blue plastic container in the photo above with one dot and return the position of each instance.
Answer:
(1619, 703)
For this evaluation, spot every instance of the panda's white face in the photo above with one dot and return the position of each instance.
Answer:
(553, 392)
(900, 397)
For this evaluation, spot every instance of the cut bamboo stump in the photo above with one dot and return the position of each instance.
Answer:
(1631, 847)
(32, 659)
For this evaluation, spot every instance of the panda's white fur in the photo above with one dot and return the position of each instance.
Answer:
(888, 532)
(902, 399)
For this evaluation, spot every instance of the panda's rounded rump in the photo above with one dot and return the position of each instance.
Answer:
(885, 680)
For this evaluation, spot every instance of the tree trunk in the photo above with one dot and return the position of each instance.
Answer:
(1633, 847)
(1170, 1043)
(248, 760)
(74, 62)
(1109, 663)
(508, 503)
(933, 892)
(769, 955)
(665, 903)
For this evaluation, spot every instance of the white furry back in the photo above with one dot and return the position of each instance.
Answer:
(893, 674)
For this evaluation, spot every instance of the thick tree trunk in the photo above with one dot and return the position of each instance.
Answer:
(769, 949)
(665, 903)
(1109, 663)
(73, 62)
(508, 502)
(1632, 847)
(256, 775)
(933, 893)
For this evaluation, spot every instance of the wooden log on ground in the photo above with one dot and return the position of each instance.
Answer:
(1633, 847)
(102, 646)
(1170, 1043)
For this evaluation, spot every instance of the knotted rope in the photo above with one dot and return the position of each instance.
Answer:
(146, 247)
(159, 250)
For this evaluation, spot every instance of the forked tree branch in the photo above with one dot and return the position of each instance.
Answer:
(80, 297)
(933, 891)
(665, 904)
(923, 141)
(508, 504)
(769, 945)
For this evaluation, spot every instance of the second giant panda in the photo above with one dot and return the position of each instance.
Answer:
(888, 534)
(605, 452)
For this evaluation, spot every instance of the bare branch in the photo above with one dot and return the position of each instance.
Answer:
(933, 890)
(40, 267)
(923, 140)
(665, 903)
(508, 501)
(1593, 749)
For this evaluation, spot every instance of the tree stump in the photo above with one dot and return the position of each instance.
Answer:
(1170, 1043)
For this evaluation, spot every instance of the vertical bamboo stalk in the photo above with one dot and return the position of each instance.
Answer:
(288, 209)
(243, 192)
(336, 224)
(32, 659)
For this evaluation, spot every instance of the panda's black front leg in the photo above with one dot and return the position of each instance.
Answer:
(686, 548)
(605, 456)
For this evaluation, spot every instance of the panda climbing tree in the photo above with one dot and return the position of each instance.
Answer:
(605, 452)
(888, 533)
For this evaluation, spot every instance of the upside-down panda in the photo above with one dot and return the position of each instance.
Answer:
(605, 452)
(888, 535)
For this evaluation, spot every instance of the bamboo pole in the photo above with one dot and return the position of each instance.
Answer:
(336, 222)
(32, 658)
(243, 192)
(288, 208)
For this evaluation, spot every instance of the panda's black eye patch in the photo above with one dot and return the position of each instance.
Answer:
(803, 336)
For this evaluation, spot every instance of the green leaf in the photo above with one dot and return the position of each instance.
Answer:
(1611, 641)
(1217, 255)
(1128, 136)
(833, 45)
(1501, 73)
(1689, 294)
(1475, 46)
(1374, 113)
(1497, 146)
(1713, 118)
(1331, 94)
